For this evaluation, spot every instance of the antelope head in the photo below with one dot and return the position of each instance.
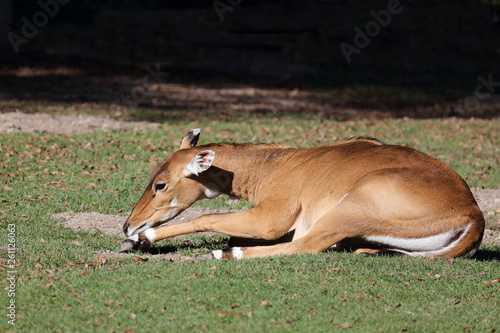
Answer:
(173, 187)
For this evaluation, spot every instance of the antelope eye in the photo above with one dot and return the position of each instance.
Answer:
(160, 186)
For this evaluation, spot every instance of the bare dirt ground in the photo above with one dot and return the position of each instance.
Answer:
(489, 202)
(41, 122)
(68, 88)
(488, 199)
(112, 225)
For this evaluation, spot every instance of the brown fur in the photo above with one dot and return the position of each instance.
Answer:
(346, 190)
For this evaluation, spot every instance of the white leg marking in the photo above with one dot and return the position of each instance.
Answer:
(237, 253)
(150, 235)
(211, 192)
(217, 254)
(426, 246)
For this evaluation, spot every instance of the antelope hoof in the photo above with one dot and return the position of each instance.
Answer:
(135, 242)
(127, 245)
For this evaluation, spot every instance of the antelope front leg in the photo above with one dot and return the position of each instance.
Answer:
(258, 222)
(144, 239)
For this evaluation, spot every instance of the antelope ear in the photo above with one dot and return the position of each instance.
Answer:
(201, 162)
(191, 139)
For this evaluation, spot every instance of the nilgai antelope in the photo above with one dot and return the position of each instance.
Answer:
(358, 194)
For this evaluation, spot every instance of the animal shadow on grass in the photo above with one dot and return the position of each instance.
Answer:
(487, 255)
(208, 243)
(202, 245)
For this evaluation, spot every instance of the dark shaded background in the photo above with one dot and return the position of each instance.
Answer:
(437, 46)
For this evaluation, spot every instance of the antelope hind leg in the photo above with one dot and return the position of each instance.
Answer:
(333, 227)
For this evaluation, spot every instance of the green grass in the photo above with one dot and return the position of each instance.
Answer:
(315, 293)
(62, 286)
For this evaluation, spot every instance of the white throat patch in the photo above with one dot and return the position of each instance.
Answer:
(169, 215)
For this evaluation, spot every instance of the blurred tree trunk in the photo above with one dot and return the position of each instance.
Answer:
(5, 20)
